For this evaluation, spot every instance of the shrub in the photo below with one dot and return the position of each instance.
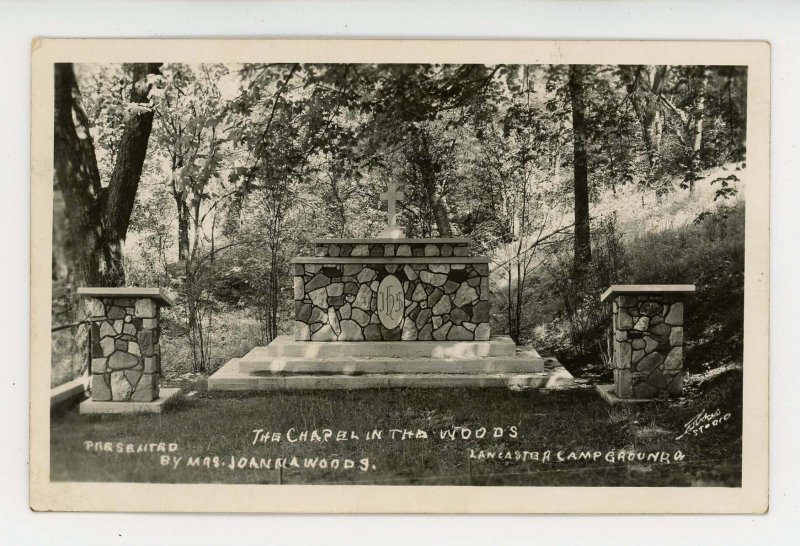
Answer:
(581, 321)
(708, 253)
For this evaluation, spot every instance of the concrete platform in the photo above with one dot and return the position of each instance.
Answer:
(287, 356)
(167, 396)
(523, 363)
(263, 370)
(286, 346)
(229, 378)
(607, 393)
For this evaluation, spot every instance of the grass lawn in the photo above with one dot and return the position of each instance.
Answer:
(571, 421)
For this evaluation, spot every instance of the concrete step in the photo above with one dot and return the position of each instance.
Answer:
(230, 378)
(522, 362)
(287, 347)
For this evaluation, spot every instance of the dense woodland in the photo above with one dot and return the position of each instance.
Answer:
(207, 179)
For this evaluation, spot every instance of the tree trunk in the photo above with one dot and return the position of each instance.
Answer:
(121, 191)
(518, 308)
(436, 201)
(77, 180)
(183, 227)
(645, 84)
(652, 130)
(510, 309)
(338, 204)
(556, 166)
(98, 219)
(183, 210)
(582, 248)
(697, 131)
(440, 214)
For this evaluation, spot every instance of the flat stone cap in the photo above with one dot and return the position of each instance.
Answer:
(126, 292)
(390, 260)
(633, 289)
(399, 241)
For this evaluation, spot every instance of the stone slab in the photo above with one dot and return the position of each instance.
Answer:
(230, 378)
(633, 289)
(67, 391)
(386, 240)
(166, 397)
(245, 382)
(525, 363)
(390, 260)
(607, 393)
(126, 292)
(287, 347)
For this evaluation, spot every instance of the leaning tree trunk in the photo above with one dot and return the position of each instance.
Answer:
(81, 255)
(97, 219)
(582, 241)
(77, 180)
(121, 192)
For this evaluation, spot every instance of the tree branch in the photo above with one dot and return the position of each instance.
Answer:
(537, 242)
(682, 115)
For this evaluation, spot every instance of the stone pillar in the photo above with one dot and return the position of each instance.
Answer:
(648, 339)
(126, 357)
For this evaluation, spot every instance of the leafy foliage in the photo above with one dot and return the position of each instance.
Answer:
(247, 163)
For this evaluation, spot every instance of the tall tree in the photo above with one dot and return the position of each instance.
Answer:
(188, 109)
(291, 132)
(582, 247)
(427, 165)
(645, 85)
(687, 107)
(419, 111)
(97, 217)
(518, 208)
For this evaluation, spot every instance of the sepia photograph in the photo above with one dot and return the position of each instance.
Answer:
(485, 274)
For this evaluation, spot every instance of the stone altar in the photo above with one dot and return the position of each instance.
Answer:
(391, 290)
(390, 312)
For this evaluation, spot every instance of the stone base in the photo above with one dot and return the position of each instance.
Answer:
(166, 397)
(608, 394)
(286, 364)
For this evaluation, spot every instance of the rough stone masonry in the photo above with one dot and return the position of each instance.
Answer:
(445, 291)
(648, 340)
(125, 353)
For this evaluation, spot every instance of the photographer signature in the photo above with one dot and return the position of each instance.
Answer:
(703, 421)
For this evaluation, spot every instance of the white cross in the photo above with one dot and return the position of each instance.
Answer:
(392, 196)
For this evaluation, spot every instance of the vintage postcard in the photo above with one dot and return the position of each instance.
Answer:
(400, 276)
